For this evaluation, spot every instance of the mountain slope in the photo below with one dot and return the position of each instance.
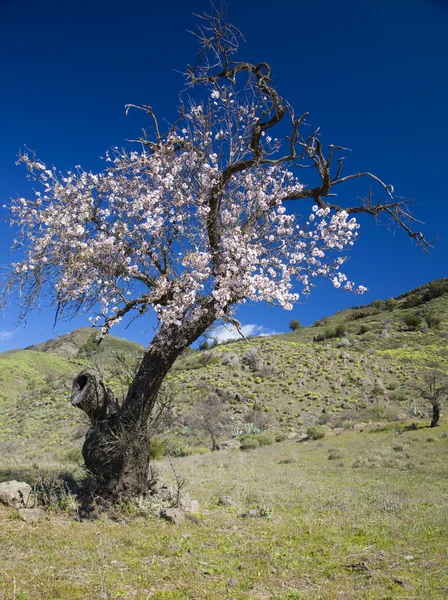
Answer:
(357, 366)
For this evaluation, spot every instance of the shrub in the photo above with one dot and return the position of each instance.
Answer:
(335, 454)
(280, 436)
(294, 325)
(363, 329)
(265, 439)
(432, 321)
(378, 304)
(157, 449)
(360, 314)
(412, 321)
(412, 301)
(320, 322)
(316, 432)
(340, 330)
(249, 443)
(377, 390)
(435, 289)
(398, 396)
(328, 333)
(319, 338)
(390, 303)
(74, 455)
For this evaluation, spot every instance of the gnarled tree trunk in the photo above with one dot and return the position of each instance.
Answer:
(435, 414)
(116, 450)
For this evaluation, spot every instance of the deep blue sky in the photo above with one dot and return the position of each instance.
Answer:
(373, 75)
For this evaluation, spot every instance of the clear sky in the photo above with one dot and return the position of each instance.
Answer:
(373, 76)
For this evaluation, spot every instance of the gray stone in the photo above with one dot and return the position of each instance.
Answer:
(227, 501)
(164, 490)
(343, 342)
(189, 505)
(15, 493)
(229, 445)
(175, 516)
(31, 515)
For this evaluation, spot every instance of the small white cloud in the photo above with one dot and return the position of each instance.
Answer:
(229, 332)
(5, 335)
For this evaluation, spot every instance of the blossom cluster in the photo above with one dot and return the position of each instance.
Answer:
(137, 236)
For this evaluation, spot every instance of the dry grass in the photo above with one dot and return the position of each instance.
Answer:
(370, 525)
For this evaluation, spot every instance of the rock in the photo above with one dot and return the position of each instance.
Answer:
(229, 445)
(227, 501)
(409, 557)
(189, 505)
(175, 516)
(232, 582)
(163, 489)
(15, 493)
(343, 342)
(253, 514)
(31, 515)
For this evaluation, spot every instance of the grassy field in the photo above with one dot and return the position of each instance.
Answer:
(360, 515)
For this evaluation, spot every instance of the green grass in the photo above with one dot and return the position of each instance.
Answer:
(370, 525)
(350, 516)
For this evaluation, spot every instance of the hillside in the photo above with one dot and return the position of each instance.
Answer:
(357, 366)
(361, 513)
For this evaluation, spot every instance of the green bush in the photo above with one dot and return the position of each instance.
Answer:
(157, 449)
(265, 439)
(174, 447)
(74, 455)
(398, 396)
(435, 289)
(378, 304)
(340, 330)
(412, 321)
(432, 321)
(412, 301)
(328, 333)
(320, 337)
(335, 454)
(249, 443)
(280, 436)
(363, 329)
(316, 432)
(294, 325)
(391, 303)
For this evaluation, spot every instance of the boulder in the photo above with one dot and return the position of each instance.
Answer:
(175, 516)
(31, 515)
(227, 501)
(189, 505)
(15, 493)
(229, 445)
(167, 492)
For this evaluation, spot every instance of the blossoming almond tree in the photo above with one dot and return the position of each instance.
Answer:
(199, 219)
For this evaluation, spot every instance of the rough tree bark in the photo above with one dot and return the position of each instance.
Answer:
(435, 415)
(116, 450)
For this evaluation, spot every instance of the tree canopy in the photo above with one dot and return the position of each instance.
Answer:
(211, 213)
